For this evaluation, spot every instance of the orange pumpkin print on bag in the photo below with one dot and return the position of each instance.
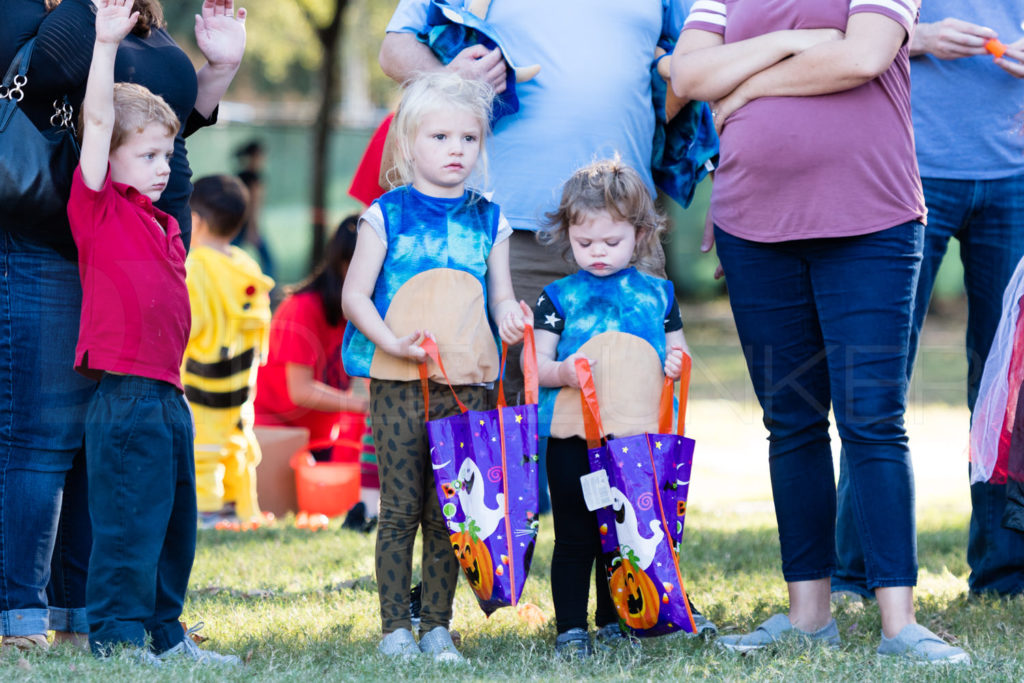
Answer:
(633, 593)
(475, 559)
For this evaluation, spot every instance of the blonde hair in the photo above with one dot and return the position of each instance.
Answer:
(136, 107)
(429, 93)
(612, 186)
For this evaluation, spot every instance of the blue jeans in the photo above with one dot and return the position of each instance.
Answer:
(142, 500)
(826, 323)
(42, 410)
(987, 218)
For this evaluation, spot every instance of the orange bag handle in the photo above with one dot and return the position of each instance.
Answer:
(530, 376)
(430, 346)
(531, 385)
(665, 406)
(592, 412)
(588, 398)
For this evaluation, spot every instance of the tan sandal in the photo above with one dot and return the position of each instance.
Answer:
(34, 642)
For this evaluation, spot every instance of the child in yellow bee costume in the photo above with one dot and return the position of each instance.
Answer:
(230, 300)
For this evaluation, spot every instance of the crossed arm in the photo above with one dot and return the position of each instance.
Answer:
(783, 63)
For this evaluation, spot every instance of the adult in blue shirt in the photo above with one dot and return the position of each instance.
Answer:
(968, 111)
(591, 99)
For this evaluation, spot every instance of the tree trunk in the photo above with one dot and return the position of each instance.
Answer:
(330, 85)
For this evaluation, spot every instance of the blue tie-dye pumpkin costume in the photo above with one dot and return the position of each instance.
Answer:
(424, 233)
(627, 301)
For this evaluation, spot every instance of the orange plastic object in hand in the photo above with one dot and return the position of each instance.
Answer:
(996, 48)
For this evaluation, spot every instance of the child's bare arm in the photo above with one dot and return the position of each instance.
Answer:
(114, 20)
(512, 317)
(367, 260)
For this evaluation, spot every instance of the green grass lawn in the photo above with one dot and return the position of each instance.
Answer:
(302, 606)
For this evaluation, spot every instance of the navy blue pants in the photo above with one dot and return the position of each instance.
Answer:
(987, 219)
(142, 502)
(825, 323)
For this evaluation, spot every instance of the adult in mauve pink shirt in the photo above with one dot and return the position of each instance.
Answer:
(818, 219)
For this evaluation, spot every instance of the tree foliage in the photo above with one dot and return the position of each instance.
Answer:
(283, 53)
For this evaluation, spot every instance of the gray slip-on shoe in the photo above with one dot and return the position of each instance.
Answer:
(776, 628)
(399, 643)
(438, 644)
(920, 645)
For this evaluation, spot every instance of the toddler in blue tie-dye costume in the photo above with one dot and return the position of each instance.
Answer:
(627, 324)
(431, 259)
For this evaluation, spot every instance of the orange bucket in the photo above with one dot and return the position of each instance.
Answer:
(328, 488)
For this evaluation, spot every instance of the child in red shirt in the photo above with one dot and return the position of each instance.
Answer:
(134, 327)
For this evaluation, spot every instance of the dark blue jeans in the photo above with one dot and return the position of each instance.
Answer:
(826, 323)
(987, 218)
(42, 410)
(142, 501)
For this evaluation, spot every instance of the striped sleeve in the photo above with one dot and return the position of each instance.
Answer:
(903, 12)
(707, 15)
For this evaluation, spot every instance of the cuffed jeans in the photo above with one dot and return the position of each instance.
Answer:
(42, 467)
(142, 501)
(987, 218)
(826, 322)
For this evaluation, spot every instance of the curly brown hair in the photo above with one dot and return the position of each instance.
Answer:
(613, 186)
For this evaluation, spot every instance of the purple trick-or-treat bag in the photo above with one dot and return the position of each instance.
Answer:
(485, 472)
(642, 529)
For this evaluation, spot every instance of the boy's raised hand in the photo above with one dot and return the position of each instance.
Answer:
(514, 323)
(114, 20)
(674, 362)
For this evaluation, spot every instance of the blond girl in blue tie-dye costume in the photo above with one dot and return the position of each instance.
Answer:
(431, 259)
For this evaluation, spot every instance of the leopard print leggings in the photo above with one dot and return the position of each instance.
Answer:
(408, 501)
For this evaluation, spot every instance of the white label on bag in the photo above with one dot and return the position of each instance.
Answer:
(596, 492)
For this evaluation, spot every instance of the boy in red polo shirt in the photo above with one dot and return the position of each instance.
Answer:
(134, 327)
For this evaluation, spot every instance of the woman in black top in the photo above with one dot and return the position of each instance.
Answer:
(43, 506)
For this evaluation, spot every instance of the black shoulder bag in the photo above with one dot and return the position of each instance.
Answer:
(35, 166)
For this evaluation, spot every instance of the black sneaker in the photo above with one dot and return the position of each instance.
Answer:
(415, 605)
(356, 517)
(573, 644)
(706, 628)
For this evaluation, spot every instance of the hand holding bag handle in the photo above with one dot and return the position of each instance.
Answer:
(530, 376)
(592, 411)
(665, 407)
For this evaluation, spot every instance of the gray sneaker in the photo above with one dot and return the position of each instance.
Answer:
(187, 650)
(399, 643)
(917, 643)
(612, 637)
(135, 655)
(774, 629)
(438, 644)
